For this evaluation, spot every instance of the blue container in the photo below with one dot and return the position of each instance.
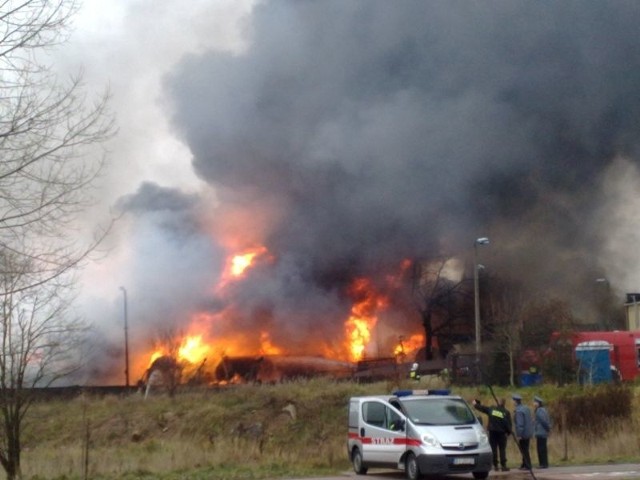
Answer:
(594, 363)
(530, 379)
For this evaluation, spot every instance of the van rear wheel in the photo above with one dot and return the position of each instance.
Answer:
(411, 467)
(480, 475)
(356, 460)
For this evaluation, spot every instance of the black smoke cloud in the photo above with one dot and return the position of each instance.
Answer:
(388, 130)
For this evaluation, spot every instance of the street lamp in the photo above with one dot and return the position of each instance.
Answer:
(476, 290)
(126, 339)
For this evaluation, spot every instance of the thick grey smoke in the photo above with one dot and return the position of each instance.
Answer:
(386, 129)
(374, 131)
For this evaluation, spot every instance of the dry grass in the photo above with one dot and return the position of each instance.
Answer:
(599, 438)
(243, 432)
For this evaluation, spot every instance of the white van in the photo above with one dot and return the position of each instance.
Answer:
(426, 432)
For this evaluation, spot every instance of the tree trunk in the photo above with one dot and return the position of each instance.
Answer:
(13, 450)
(511, 368)
(428, 335)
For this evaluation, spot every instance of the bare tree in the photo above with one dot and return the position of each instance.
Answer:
(505, 304)
(438, 288)
(541, 319)
(544, 316)
(46, 176)
(40, 341)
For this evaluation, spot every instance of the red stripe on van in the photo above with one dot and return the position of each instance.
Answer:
(411, 442)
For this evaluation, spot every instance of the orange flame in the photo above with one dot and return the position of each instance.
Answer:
(193, 350)
(156, 355)
(363, 317)
(239, 263)
(409, 345)
(395, 280)
(359, 334)
(266, 347)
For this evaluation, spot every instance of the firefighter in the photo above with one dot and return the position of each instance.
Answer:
(413, 373)
(523, 426)
(541, 429)
(499, 430)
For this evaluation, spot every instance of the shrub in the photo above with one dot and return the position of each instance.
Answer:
(594, 409)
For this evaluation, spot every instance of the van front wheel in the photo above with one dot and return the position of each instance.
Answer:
(480, 475)
(411, 467)
(356, 460)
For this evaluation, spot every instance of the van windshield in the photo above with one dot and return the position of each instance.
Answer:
(438, 411)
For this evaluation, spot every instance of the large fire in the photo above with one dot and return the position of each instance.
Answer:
(363, 317)
(197, 347)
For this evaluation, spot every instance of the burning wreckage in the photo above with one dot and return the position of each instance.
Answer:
(240, 358)
(275, 368)
(166, 373)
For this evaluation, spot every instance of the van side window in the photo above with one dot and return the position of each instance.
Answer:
(373, 413)
(394, 421)
(380, 415)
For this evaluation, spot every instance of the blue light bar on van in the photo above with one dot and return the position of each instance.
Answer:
(407, 393)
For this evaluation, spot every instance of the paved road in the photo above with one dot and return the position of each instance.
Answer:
(600, 472)
(579, 472)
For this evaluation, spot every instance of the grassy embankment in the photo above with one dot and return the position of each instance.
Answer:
(294, 429)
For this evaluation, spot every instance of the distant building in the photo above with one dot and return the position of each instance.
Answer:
(632, 309)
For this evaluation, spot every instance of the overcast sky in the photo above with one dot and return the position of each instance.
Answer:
(348, 135)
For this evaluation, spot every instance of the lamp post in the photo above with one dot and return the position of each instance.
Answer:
(126, 339)
(476, 291)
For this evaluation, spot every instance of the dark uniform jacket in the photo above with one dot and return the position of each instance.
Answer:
(499, 418)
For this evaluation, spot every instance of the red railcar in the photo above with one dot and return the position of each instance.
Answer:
(624, 349)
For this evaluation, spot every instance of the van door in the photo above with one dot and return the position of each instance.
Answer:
(383, 433)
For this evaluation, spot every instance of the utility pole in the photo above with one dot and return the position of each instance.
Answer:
(476, 292)
(126, 339)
